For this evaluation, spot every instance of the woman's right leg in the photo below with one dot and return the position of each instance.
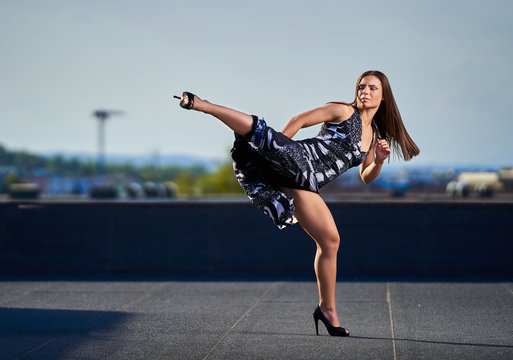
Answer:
(316, 219)
(238, 121)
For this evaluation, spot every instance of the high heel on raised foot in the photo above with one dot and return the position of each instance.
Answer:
(332, 330)
(187, 100)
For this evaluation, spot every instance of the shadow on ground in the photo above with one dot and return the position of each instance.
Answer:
(24, 331)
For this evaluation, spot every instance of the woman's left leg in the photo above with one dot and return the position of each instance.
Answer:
(316, 219)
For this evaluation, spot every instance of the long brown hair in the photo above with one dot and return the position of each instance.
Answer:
(388, 119)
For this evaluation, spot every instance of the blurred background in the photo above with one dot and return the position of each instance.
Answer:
(86, 107)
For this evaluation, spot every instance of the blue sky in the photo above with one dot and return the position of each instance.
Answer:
(449, 64)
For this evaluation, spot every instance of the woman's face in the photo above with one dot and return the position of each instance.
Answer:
(370, 92)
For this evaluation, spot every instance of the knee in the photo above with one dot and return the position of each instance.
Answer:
(329, 243)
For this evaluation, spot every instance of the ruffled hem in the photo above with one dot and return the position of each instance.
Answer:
(256, 179)
(272, 202)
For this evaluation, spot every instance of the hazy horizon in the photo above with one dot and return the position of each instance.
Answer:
(184, 159)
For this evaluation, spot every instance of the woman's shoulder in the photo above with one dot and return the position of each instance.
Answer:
(341, 110)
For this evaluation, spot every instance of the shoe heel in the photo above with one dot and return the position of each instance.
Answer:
(316, 320)
(333, 331)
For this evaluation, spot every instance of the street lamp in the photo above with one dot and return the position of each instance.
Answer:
(102, 115)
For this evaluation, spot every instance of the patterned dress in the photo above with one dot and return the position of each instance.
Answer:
(265, 160)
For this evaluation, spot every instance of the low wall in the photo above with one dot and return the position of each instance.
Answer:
(233, 240)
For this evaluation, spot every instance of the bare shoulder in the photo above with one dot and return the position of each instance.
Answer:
(340, 111)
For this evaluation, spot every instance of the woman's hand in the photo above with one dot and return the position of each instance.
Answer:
(371, 167)
(382, 151)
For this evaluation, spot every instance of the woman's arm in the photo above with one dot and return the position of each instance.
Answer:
(371, 167)
(328, 112)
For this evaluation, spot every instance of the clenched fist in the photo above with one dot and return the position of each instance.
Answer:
(382, 151)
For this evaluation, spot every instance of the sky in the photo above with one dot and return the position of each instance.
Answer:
(449, 64)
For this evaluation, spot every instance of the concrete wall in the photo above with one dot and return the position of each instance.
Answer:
(233, 240)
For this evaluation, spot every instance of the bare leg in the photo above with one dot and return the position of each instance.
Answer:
(316, 219)
(238, 121)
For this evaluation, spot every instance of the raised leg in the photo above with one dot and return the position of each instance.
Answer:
(316, 219)
(236, 120)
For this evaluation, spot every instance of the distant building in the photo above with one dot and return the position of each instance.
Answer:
(506, 178)
(482, 178)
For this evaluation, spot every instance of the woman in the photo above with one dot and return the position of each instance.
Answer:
(282, 177)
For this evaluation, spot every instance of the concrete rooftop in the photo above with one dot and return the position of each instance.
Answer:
(252, 320)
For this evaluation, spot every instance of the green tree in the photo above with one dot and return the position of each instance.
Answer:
(223, 181)
(55, 165)
(73, 165)
(27, 162)
(5, 156)
(8, 181)
(87, 168)
(187, 184)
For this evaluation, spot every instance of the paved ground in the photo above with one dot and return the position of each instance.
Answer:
(252, 320)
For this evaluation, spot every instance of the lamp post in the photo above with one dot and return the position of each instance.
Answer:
(102, 115)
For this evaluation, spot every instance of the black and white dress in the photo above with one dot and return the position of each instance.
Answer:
(265, 160)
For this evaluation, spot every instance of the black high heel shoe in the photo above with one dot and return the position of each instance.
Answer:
(333, 331)
(187, 100)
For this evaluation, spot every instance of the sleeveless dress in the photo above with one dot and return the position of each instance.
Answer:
(265, 160)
